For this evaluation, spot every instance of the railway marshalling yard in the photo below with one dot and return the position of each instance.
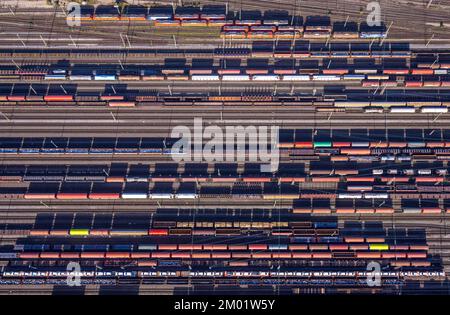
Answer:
(86, 116)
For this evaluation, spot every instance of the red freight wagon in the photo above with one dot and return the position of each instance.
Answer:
(420, 263)
(38, 232)
(318, 247)
(371, 255)
(70, 255)
(221, 255)
(422, 71)
(413, 83)
(261, 255)
(399, 247)
(301, 255)
(201, 255)
(303, 144)
(322, 255)
(167, 247)
(419, 247)
(245, 255)
(92, 255)
(417, 255)
(181, 255)
(189, 247)
(334, 247)
(40, 196)
(99, 232)
(257, 247)
(161, 255)
(281, 255)
(375, 239)
(237, 247)
(121, 104)
(400, 263)
(49, 255)
(29, 255)
(71, 196)
(215, 247)
(335, 71)
(140, 255)
(16, 98)
(396, 71)
(104, 196)
(58, 98)
(341, 144)
(117, 255)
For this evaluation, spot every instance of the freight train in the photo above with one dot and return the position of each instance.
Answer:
(239, 25)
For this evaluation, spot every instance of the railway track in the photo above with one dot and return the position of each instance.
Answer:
(128, 56)
(154, 122)
(236, 111)
(162, 130)
(29, 206)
